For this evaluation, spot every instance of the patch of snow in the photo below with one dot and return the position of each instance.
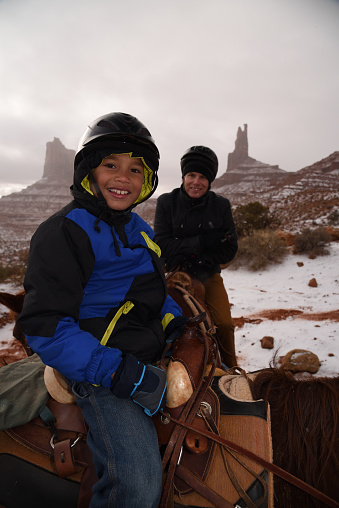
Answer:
(285, 286)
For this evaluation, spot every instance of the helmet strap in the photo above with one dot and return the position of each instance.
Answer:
(95, 186)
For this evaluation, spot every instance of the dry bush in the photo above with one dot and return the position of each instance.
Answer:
(258, 251)
(15, 269)
(333, 217)
(312, 242)
(253, 217)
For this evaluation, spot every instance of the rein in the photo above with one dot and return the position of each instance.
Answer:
(173, 449)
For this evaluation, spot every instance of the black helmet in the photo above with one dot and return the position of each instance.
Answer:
(121, 128)
(200, 159)
(117, 133)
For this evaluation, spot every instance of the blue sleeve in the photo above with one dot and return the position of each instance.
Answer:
(170, 311)
(77, 354)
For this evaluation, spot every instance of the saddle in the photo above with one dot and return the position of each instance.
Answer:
(56, 441)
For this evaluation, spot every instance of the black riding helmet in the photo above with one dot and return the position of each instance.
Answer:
(200, 159)
(116, 133)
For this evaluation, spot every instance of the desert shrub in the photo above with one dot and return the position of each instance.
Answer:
(14, 269)
(252, 217)
(6, 272)
(312, 242)
(333, 217)
(259, 250)
(23, 256)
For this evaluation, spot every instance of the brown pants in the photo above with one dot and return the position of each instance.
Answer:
(219, 307)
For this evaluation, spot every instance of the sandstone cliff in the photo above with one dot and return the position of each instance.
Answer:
(22, 212)
(243, 171)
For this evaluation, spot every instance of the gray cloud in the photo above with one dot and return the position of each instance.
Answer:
(191, 70)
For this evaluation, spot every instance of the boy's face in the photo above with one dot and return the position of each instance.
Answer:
(195, 184)
(120, 180)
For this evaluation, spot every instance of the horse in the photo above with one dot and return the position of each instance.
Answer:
(305, 436)
(14, 303)
(305, 432)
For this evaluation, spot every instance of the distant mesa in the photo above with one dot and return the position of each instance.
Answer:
(22, 212)
(240, 166)
(240, 153)
(58, 162)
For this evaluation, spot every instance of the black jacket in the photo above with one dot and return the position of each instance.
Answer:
(180, 229)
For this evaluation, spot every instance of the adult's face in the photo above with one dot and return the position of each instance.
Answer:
(195, 184)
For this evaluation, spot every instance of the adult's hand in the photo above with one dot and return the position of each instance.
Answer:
(210, 238)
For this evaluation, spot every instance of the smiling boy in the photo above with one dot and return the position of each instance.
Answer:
(96, 307)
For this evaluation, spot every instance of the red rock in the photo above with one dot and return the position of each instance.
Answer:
(267, 342)
(301, 360)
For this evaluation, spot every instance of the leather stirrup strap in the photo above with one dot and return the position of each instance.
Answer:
(194, 482)
(174, 446)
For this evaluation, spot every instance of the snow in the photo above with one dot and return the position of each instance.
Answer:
(283, 286)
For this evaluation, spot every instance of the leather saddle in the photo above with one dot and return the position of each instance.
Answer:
(60, 434)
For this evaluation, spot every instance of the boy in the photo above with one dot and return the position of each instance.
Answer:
(96, 307)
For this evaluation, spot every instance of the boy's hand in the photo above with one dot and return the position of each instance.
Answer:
(145, 384)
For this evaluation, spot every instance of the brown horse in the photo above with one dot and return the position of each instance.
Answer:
(305, 434)
(14, 303)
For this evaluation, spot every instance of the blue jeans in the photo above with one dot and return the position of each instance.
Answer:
(124, 444)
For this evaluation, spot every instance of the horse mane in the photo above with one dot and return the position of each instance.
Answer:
(304, 419)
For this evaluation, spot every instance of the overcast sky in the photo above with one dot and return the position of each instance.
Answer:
(192, 71)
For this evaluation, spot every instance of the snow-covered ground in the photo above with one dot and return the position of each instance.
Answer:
(285, 286)
(282, 286)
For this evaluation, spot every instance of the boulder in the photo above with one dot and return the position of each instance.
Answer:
(267, 342)
(301, 360)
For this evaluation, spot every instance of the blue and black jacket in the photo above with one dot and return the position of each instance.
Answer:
(95, 289)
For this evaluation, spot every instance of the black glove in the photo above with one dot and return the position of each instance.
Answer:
(175, 328)
(174, 262)
(145, 384)
(210, 238)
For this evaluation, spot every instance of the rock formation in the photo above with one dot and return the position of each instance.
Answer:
(241, 168)
(240, 153)
(22, 212)
(58, 162)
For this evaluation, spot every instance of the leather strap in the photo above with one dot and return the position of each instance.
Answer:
(173, 448)
(209, 494)
(63, 458)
